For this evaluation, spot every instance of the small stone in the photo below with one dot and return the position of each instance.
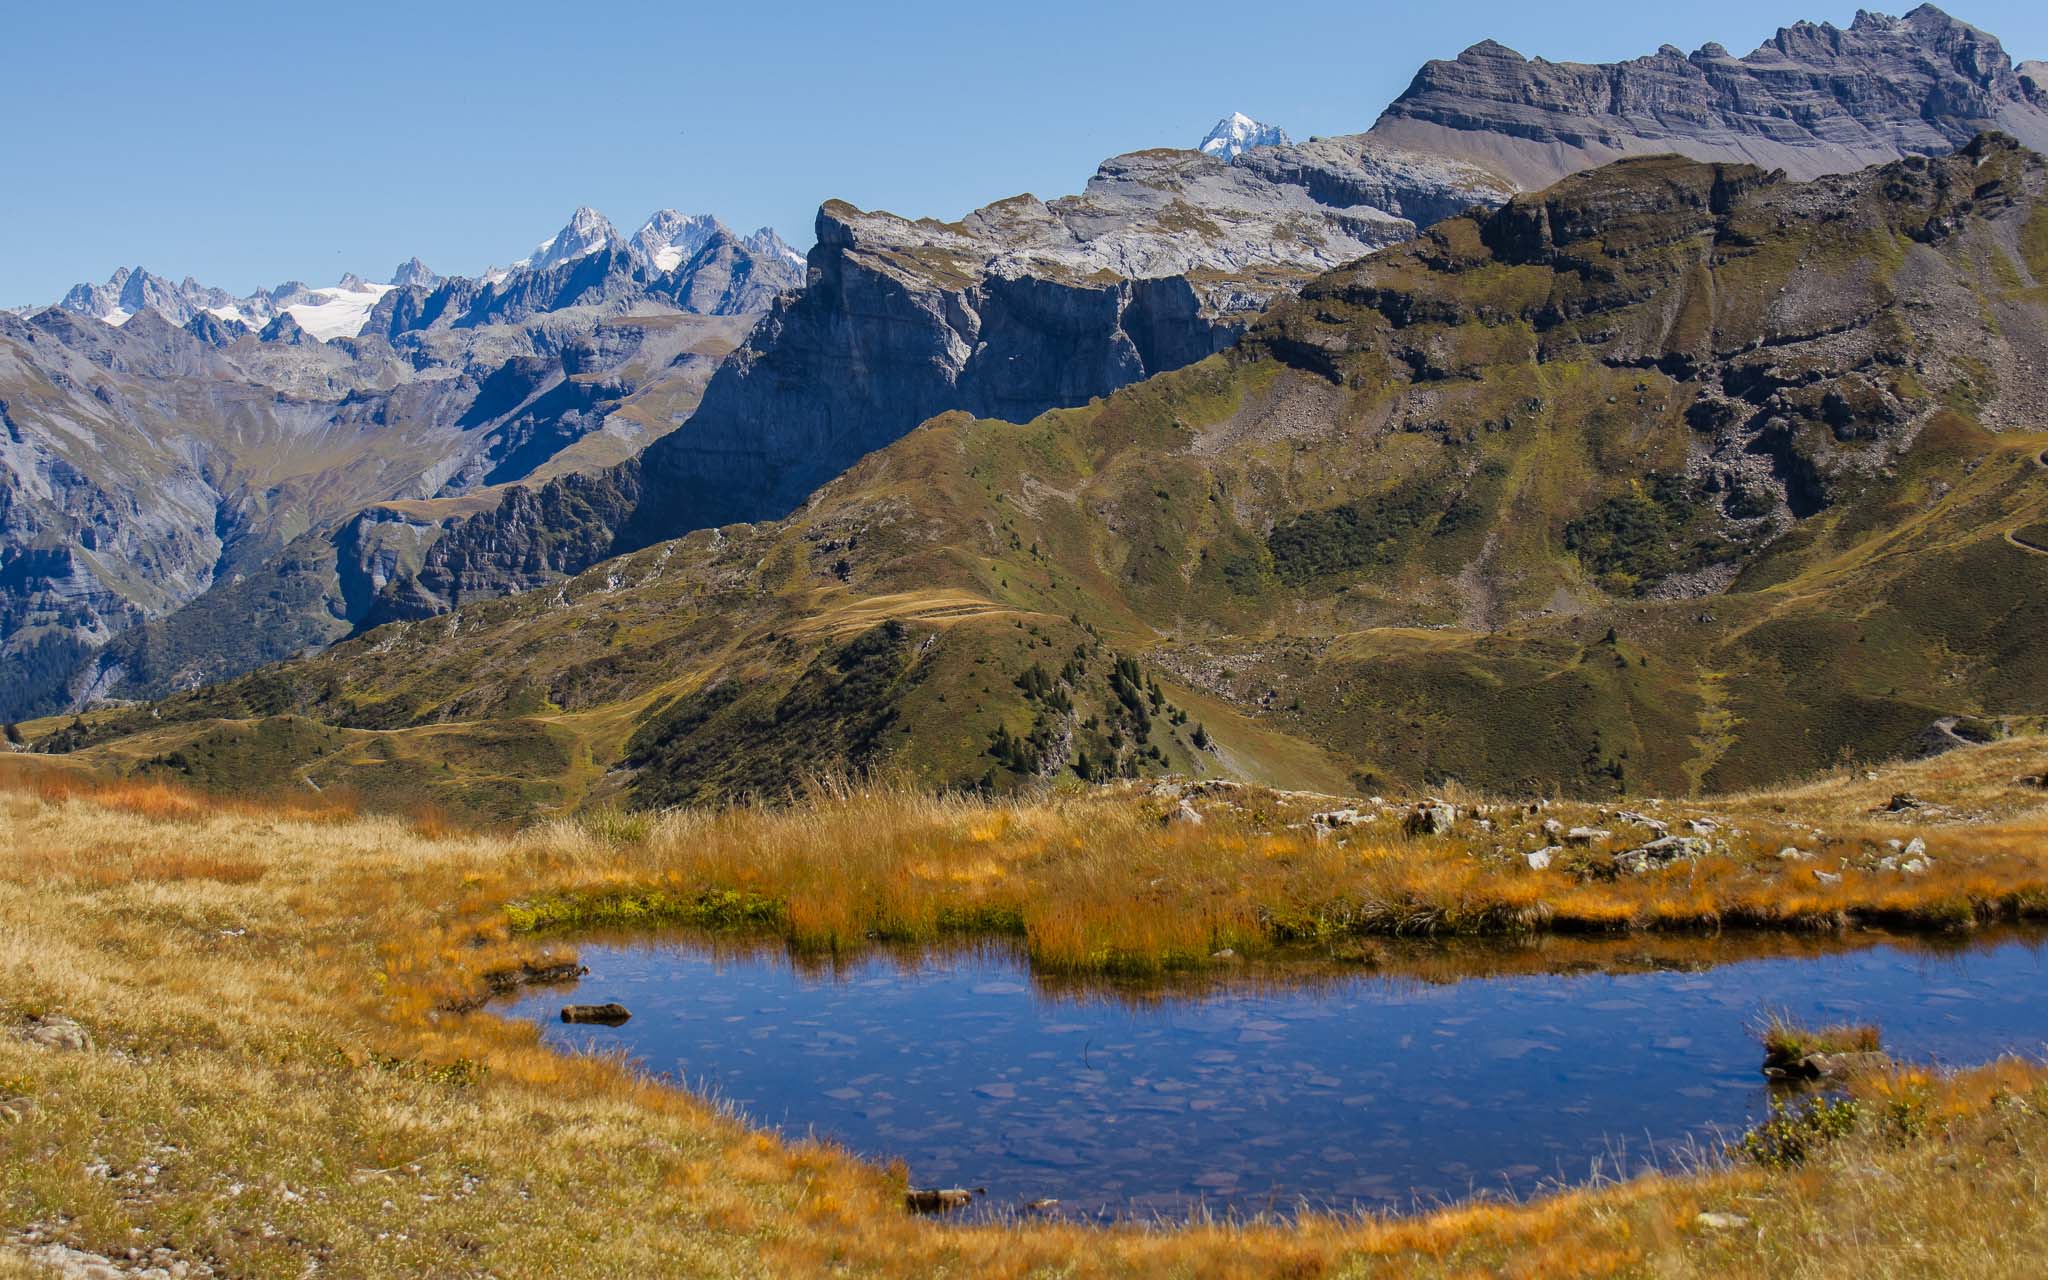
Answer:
(1183, 815)
(1792, 853)
(1826, 877)
(1042, 1206)
(1586, 835)
(1539, 859)
(1717, 1221)
(1915, 848)
(1339, 818)
(1902, 801)
(1553, 828)
(1226, 953)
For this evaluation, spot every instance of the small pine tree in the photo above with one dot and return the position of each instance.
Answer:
(1201, 738)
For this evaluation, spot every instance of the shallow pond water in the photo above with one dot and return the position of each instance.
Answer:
(1275, 1089)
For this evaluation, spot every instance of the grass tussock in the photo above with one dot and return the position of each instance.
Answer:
(1786, 1040)
(276, 1084)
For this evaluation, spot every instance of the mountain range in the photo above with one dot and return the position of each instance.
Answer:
(1673, 476)
(1374, 455)
(161, 474)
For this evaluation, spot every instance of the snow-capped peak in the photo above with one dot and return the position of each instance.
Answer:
(587, 232)
(1238, 133)
(668, 238)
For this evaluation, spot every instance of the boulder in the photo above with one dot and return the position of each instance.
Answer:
(52, 1031)
(940, 1199)
(1333, 818)
(608, 1015)
(1662, 853)
(1432, 819)
(1539, 859)
(1587, 835)
(1643, 820)
(1829, 1066)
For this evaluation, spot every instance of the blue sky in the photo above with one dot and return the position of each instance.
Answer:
(250, 143)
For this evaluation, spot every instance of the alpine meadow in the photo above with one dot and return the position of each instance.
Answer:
(1468, 698)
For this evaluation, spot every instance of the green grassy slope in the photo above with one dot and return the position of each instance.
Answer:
(1670, 478)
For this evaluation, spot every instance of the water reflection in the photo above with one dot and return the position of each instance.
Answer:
(1429, 1072)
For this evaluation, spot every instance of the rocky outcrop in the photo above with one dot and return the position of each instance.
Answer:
(1815, 99)
(1023, 306)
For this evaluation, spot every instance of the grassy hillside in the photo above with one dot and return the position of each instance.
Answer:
(1672, 479)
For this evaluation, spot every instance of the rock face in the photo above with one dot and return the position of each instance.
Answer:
(1023, 306)
(1813, 100)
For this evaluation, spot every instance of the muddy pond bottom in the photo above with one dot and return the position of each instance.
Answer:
(1265, 1093)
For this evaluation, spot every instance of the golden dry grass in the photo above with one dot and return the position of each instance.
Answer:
(277, 1084)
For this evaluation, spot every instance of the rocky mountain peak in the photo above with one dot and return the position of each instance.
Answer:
(1238, 133)
(413, 273)
(586, 232)
(765, 243)
(668, 238)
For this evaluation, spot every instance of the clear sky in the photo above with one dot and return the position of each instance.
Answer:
(249, 143)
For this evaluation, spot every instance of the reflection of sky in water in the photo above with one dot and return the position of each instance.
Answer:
(1362, 1091)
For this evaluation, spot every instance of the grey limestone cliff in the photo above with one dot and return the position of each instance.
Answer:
(1813, 100)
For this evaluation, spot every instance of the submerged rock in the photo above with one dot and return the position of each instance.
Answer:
(609, 1015)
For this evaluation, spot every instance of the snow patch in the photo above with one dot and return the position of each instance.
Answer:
(340, 313)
